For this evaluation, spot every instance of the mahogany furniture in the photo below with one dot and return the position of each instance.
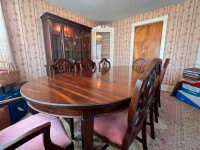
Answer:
(88, 64)
(63, 66)
(156, 99)
(82, 95)
(65, 39)
(140, 64)
(104, 64)
(160, 81)
(35, 132)
(4, 111)
(120, 129)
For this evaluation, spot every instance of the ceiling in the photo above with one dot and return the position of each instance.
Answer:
(105, 11)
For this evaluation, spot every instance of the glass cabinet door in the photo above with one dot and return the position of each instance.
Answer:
(78, 45)
(103, 45)
(68, 44)
(56, 41)
(86, 45)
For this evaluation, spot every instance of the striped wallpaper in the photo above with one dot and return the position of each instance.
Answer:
(183, 34)
(25, 32)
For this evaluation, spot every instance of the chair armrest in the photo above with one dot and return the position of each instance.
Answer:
(45, 128)
(6, 102)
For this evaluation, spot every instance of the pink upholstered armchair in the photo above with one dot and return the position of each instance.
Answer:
(37, 132)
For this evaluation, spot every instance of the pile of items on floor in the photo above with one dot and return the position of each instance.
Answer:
(190, 92)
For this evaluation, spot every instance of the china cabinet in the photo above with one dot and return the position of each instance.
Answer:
(65, 39)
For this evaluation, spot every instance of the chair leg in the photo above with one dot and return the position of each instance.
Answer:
(158, 98)
(144, 137)
(71, 124)
(156, 111)
(105, 147)
(70, 147)
(152, 122)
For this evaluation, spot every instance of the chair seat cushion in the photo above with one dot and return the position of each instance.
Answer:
(112, 126)
(57, 132)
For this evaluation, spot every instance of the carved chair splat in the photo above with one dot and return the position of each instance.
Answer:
(140, 64)
(88, 64)
(61, 66)
(104, 65)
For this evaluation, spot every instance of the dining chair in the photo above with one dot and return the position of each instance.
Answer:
(104, 65)
(157, 94)
(140, 64)
(88, 64)
(120, 129)
(64, 66)
(156, 100)
(60, 66)
(37, 132)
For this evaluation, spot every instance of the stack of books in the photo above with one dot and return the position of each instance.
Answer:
(192, 73)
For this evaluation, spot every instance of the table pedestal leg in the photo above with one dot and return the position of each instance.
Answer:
(87, 125)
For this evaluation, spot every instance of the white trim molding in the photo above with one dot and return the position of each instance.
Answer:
(197, 65)
(134, 25)
(93, 51)
(167, 88)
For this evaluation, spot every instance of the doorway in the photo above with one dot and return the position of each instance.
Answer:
(148, 39)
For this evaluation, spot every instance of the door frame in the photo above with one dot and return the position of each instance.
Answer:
(102, 28)
(145, 22)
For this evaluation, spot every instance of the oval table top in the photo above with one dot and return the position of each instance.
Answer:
(83, 95)
(81, 91)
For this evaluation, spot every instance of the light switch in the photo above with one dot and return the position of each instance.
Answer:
(168, 44)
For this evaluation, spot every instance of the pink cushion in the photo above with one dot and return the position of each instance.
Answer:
(112, 126)
(57, 132)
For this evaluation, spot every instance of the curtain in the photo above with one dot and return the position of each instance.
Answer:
(5, 50)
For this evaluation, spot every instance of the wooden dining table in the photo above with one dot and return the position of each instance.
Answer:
(84, 95)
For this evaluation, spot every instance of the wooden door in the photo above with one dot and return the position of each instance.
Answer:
(147, 41)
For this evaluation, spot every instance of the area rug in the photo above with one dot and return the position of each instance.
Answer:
(178, 128)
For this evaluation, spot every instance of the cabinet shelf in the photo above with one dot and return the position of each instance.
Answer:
(105, 53)
(102, 40)
(105, 46)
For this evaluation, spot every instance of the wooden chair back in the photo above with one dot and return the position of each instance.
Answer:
(60, 66)
(104, 65)
(88, 64)
(140, 64)
(163, 70)
(141, 100)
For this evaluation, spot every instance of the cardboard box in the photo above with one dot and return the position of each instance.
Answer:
(188, 98)
(191, 89)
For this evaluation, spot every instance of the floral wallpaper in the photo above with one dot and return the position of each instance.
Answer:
(25, 32)
(183, 34)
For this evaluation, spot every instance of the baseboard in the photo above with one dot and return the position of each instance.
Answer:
(167, 88)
